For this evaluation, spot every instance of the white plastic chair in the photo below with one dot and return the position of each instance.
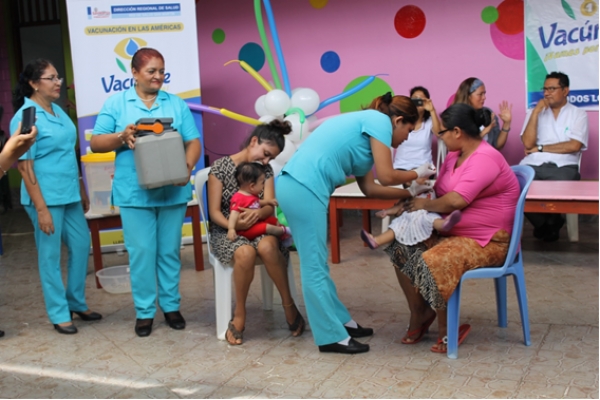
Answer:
(222, 273)
(441, 153)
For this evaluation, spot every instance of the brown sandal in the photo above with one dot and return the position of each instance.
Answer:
(298, 326)
(237, 335)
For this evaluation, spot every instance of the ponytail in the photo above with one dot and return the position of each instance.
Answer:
(273, 133)
(32, 72)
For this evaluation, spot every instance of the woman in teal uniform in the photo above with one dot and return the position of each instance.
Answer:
(53, 195)
(342, 146)
(152, 218)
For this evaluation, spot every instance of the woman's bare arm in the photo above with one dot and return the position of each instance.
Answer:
(443, 205)
(370, 188)
(386, 174)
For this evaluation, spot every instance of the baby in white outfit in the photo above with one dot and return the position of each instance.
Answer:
(410, 228)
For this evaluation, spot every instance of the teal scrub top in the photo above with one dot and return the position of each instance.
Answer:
(338, 148)
(53, 154)
(126, 108)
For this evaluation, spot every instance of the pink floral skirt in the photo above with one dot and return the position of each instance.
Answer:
(436, 265)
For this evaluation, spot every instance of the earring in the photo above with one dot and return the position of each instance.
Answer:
(36, 89)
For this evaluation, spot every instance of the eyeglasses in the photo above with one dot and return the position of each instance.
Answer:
(53, 79)
(440, 133)
(551, 89)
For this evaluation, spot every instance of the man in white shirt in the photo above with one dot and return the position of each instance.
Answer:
(554, 135)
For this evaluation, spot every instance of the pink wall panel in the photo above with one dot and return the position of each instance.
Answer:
(454, 45)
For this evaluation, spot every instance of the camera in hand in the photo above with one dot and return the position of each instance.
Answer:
(27, 120)
(417, 101)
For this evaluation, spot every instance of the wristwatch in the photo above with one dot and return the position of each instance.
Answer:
(541, 148)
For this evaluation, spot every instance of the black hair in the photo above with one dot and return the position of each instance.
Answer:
(271, 133)
(426, 113)
(248, 172)
(463, 116)
(563, 79)
(32, 72)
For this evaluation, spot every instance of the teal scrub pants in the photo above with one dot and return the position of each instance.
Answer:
(153, 239)
(307, 218)
(70, 227)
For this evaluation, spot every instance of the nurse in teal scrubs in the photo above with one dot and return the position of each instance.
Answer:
(349, 144)
(152, 218)
(53, 195)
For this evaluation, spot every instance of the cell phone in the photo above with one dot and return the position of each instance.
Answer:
(417, 101)
(27, 120)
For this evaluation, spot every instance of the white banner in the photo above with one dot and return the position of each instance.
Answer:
(104, 36)
(562, 35)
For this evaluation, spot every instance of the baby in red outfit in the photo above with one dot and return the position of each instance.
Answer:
(251, 180)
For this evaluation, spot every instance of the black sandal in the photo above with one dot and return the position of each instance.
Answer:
(237, 335)
(299, 324)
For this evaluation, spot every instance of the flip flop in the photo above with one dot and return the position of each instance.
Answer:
(299, 324)
(463, 331)
(237, 335)
(421, 331)
(368, 239)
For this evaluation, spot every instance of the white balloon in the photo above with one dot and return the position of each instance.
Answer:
(276, 167)
(299, 131)
(306, 99)
(288, 151)
(295, 90)
(267, 118)
(277, 102)
(304, 137)
(259, 106)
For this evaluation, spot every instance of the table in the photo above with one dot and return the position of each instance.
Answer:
(563, 197)
(98, 222)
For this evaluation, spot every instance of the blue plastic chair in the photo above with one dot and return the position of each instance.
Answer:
(512, 266)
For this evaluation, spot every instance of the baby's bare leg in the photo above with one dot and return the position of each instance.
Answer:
(445, 224)
(393, 211)
(375, 241)
(438, 224)
(385, 238)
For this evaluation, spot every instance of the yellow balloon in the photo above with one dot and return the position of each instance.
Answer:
(253, 73)
(239, 117)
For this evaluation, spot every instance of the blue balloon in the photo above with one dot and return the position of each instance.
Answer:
(286, 81)
(343, 95)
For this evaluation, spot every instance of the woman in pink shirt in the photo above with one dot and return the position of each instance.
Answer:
(475, 179)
